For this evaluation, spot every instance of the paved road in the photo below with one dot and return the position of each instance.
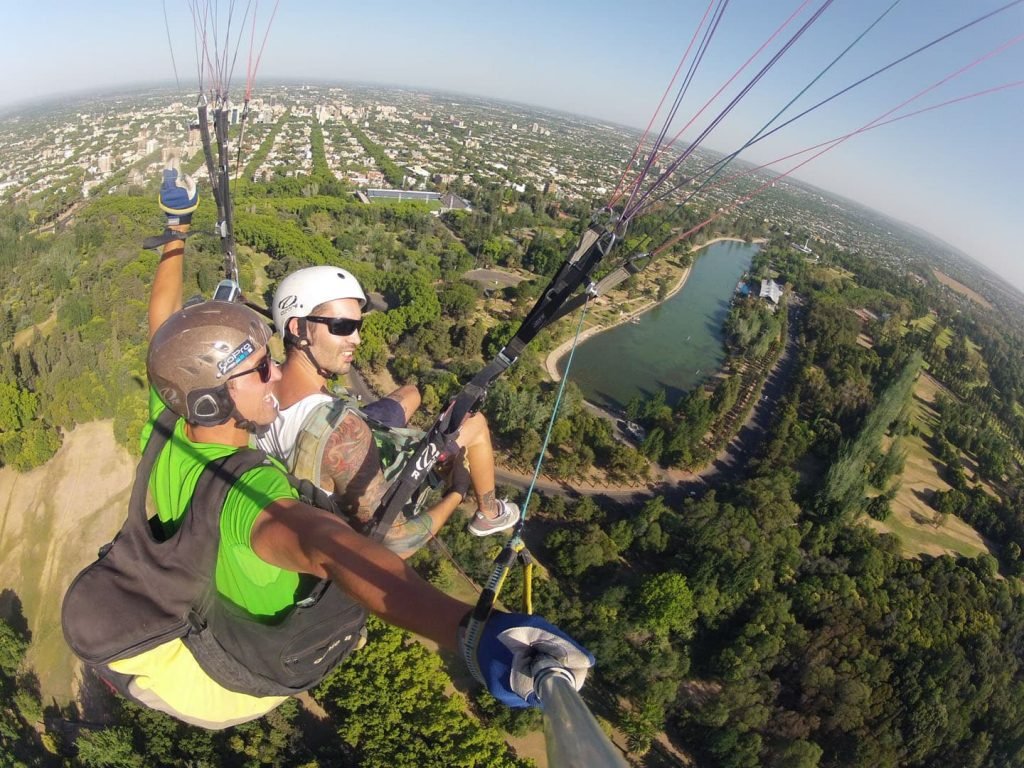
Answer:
(357, 386)
(493, 277)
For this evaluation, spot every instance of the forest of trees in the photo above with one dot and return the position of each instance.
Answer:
(761, 624)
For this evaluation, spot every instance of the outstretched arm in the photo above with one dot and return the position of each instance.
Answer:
(178, 199)
(166, 297)
(298, 537)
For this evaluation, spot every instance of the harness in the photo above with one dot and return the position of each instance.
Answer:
(146, 589)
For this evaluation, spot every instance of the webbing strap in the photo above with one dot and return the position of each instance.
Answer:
(594, 245)
(220, 181)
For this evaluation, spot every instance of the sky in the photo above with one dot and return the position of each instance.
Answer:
(956, 172)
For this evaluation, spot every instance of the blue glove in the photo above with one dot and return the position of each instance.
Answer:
(178, 196)
(509, 646)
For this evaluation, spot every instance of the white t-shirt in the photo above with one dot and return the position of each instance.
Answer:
(279, 439)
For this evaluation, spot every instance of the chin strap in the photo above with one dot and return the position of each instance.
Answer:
(302, 342)
(243, 423)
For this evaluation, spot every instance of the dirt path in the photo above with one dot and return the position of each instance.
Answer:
(24, 336)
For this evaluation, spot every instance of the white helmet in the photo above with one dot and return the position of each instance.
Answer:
(301, 292)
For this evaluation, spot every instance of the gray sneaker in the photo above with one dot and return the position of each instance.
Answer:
(508, 515)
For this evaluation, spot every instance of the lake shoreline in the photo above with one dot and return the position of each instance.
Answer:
(556, 355)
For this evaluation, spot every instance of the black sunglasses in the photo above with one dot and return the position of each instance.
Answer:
(338, 326)
(262, 368)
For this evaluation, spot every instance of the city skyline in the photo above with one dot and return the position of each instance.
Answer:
(953, 172)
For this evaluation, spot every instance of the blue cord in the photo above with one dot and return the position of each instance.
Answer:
(551, 425)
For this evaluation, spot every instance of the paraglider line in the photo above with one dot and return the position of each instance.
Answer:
(631, 212)
(517, 532)
(677, 102)
(617, 192)
(170, 46)
(659, 150)
(832, 144)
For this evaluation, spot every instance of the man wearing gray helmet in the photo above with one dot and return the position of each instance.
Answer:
(211, 382)
(318, 311)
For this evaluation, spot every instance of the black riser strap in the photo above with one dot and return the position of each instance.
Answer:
(594, 245)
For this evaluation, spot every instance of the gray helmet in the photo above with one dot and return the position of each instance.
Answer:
(194, 352)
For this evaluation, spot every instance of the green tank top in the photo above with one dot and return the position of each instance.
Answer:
(241, 576)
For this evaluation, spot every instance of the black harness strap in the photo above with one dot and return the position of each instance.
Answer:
(220, 180)
(593, 246)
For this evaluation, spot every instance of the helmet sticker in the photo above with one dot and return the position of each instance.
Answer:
(169, 395)
(242, 352)
(288, 302)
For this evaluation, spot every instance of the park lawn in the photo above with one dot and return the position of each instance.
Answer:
(924, 323)
(258, 261)
(431, 205)
(837, 273)
(913, 521)
(927, 322)
(945, 338)
(917, 526)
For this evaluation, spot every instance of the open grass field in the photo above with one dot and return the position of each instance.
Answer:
(837, 273)
(962, 289)
(52, 521)
(926, 323)
(913, 521)
(24, 336)
(432, 205)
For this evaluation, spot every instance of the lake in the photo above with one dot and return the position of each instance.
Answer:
(675, 346)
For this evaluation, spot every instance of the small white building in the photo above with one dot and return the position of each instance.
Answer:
(771, 290)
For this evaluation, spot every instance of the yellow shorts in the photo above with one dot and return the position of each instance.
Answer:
(168, 679)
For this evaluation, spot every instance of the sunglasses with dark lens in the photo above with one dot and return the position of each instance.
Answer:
(262, 368)
(338, 326)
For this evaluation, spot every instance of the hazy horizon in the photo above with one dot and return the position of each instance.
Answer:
(952, 172)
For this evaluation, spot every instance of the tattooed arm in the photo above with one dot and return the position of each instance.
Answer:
(352, 463)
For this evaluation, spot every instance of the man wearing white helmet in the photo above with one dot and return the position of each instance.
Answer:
(318, 312)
